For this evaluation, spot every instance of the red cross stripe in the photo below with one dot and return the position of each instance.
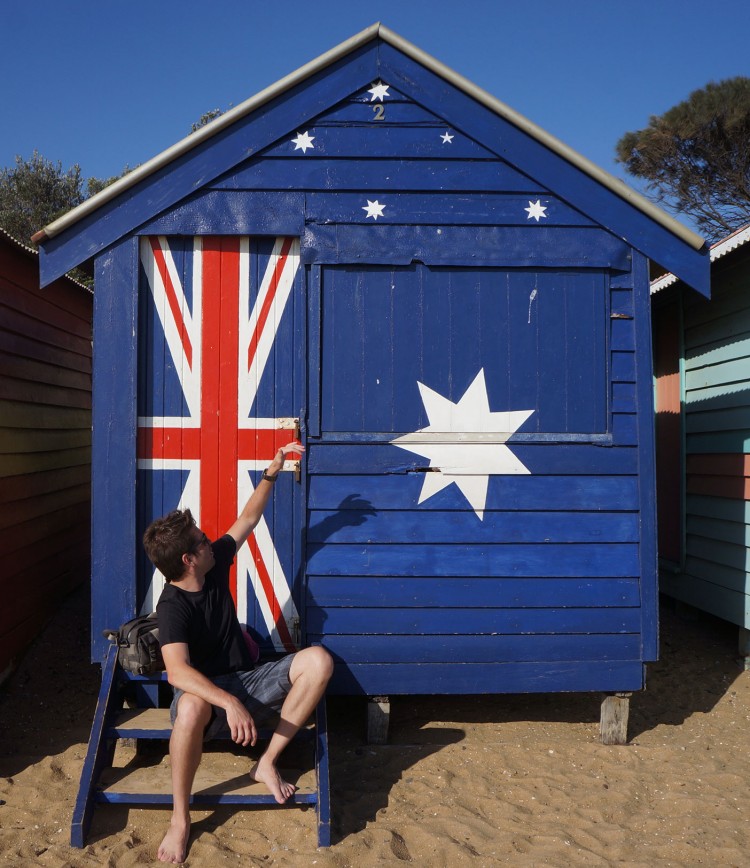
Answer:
(219, 376)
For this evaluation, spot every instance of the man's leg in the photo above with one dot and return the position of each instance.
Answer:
(309, 674)
(185, 751)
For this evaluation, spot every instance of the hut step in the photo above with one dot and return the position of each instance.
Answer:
(222, 778)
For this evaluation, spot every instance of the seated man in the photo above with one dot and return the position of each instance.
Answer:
(208, 663)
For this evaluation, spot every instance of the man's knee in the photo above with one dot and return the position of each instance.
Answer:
(192, 712)
(316, 662)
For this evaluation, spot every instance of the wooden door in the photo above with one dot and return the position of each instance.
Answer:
(219, 391)
(472, 525)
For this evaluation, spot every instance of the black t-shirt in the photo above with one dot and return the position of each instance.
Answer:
(207, 619)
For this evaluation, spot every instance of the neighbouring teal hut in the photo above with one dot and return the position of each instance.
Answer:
(702, 361)
(451, 309)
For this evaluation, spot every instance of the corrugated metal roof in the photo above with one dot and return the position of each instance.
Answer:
(29, 251)
(367, 35)
(8, 237)
(720, 248)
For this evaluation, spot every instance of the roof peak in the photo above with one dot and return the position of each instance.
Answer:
(374, 31)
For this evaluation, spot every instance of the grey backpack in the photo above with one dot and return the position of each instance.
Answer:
(138, 646)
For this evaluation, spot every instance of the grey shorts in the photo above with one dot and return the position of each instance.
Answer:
(261, 690)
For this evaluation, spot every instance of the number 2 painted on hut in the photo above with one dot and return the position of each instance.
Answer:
(378, 112)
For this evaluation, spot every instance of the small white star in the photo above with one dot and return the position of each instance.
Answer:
(379, 91)
(447, 138)
(303, 142)
(536, 210)
(374, 209)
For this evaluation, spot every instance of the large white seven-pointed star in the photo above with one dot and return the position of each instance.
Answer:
(536, 210)
(303, 142)
(379, 91)
(374, 210)
(454, 456)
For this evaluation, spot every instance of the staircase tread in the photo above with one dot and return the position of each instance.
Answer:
(217, 775)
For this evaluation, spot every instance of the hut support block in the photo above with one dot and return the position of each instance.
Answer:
(744, 648)
(613, 725)
(378, 718)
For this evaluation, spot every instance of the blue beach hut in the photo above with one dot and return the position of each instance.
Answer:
(451, 309)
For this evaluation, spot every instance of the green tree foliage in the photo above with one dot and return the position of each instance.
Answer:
(96, 185)
(206, 118)
(695, 158)
(35, 192)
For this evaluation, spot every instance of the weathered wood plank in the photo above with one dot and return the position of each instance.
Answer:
(43, 393)
(730, 340)
(623, 367)
(29, 348)
(719, 441)
(368, 526)
(38, 505)
(34, 485)
(19, 440)
(719, 575)
(699, 377)
(729, 419)
(574, 493)
(463, 620)
(229, 212)
(395, 592)
(483, 678)
(519, 246)
(737, 487)
(41, 317)
(22, 323)
(719, 552)
(267, 173)
(737, 533)
(383, 140)
(622, 335)
(40, 528)
(615, 559)
(55, 373)
(36, 462)
(725, 395)
(474, 209)
(731, 604)
(17, 414)
(722, 508)
(477, 649)
(543, 458)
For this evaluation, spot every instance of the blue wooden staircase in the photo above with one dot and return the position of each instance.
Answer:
(101, 783)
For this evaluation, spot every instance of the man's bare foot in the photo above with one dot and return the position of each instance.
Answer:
(265, 772)
(173, 848)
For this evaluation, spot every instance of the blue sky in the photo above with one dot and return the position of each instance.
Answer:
(109, 83)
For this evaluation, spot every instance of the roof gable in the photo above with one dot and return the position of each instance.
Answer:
(322, 100)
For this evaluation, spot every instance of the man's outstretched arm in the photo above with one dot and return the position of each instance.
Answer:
(253, 509)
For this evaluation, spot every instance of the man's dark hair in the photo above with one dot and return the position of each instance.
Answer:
(167, 539)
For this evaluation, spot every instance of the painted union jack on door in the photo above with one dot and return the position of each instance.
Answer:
(216, 399)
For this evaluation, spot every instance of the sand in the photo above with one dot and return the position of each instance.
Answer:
(504, 780)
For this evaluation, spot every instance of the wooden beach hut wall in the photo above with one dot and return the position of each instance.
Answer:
(45, 444)
(702, 360)
(451, 309)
